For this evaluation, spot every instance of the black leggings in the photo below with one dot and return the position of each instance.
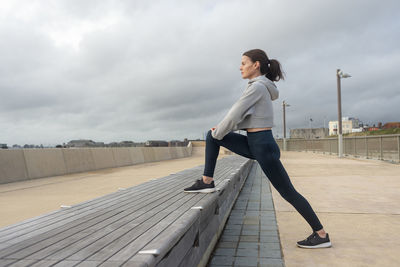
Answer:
(262, 147)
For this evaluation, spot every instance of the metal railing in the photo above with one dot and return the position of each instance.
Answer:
(382, 147)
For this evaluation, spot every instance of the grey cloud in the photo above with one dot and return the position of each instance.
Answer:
(169, 70)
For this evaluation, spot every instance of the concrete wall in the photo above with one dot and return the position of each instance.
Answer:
(148, 154)
(44, 162)
(24, 164)
(162, 153)
(174, 153)
(122, 156)
(12, 166)
(136, 155)
(103, 158)
(78, 159)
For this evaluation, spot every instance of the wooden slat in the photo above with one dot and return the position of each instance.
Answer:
(111, 204)
(103, 230)
(102, 198)
(43, 239)
(77, 209)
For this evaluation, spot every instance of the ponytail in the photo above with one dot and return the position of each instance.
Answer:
(274, 71)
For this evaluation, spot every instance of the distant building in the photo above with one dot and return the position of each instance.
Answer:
(309, 133)
(349, 125)
(127, 144)
(373, 128)
(113, 144)
(84, 143)
(391, 125)
(156, 143)
(185, 142)
(29, 146)
(3, 146)
(175, 143)
(140, 144)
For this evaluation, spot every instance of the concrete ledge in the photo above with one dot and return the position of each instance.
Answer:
(44, 162)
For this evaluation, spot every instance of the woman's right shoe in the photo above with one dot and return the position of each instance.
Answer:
(315, 241)
(200, 187)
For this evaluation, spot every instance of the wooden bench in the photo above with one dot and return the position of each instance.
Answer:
(154, 223)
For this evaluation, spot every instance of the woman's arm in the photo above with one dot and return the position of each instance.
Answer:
(239, 110)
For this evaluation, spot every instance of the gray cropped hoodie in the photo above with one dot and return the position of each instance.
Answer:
(252, 110)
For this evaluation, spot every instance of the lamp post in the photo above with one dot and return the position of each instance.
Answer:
(339, 75)
(284, 105)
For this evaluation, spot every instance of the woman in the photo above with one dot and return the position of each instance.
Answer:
(254, 112)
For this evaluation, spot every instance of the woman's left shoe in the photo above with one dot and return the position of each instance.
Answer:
(315, 241)
(200, 187)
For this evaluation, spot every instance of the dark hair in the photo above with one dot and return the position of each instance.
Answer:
(271, 68)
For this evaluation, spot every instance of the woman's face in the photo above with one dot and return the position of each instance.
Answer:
(249, 69)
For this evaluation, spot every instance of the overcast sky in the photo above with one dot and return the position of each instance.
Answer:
(141, 70)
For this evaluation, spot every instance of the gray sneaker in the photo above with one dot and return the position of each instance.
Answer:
(315, 241)
(200, 187)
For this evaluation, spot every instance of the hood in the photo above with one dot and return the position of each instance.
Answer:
(270, 85)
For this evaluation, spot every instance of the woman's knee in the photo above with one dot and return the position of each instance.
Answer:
(209, 135)
(210, 138)
(268, 161)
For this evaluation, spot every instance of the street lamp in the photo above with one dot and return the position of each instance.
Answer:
(284, 105)
(339, 75)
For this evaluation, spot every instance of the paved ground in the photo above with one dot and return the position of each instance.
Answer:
(250, 237)
(358, 202)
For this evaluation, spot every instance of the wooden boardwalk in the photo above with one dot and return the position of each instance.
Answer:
(151, 224)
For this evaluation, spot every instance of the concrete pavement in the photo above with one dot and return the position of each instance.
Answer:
(357, 201)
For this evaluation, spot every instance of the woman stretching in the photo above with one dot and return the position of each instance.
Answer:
(253, 112)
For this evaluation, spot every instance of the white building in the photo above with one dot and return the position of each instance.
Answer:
(349, 125)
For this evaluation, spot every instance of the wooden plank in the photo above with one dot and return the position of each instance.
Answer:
(43, 240)
(104, 198)
(109, 204)
(122, 232)
(130, 246)
(24, 263)
(106, 233)
(63, 214)
(133, 242)
(175, 240)
(97, 202)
